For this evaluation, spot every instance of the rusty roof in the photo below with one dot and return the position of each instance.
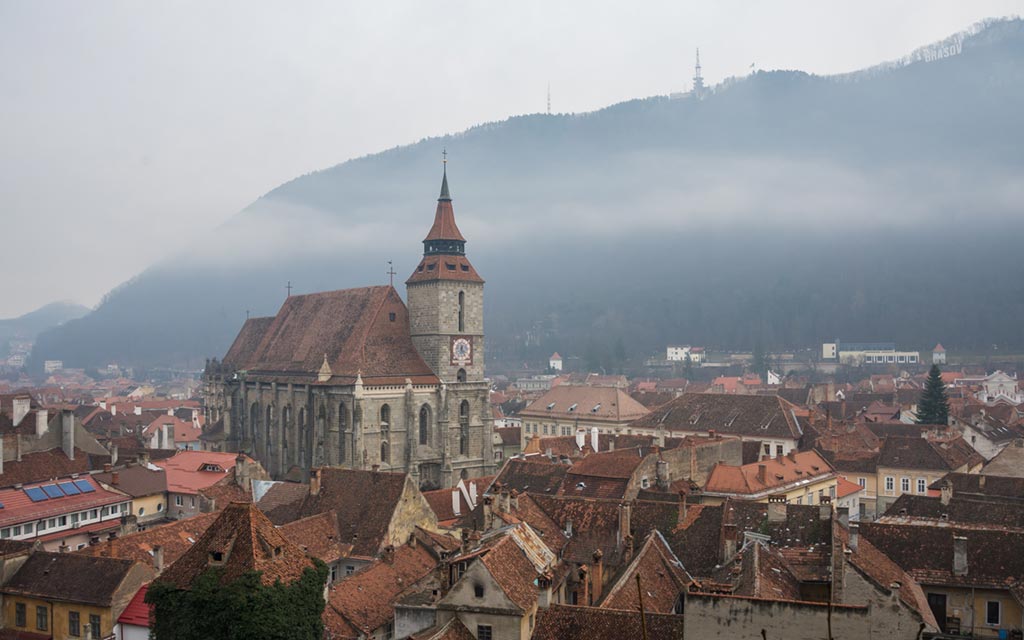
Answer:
(559, 622)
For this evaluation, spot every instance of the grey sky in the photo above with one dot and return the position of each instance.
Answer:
(128, 129)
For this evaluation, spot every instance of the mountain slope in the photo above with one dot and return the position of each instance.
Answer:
(782, 209)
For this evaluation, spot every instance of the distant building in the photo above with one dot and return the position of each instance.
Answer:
(555, 362)
(803, 478)
(50, 366)
(565, 408)
(870, 353)
(938, 354)
(680, 353)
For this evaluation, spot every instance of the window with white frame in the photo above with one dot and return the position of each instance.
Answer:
(890, 484)
(922, 485)
(905, 485)
(863, 482)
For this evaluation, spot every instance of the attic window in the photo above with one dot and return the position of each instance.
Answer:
(430, 267)
(450, 266)
(573, 406)
(551, 406)
(581, 486)
(216, 557)
(419, 268)
(392, 316)
(277, 551)
(478, 590)
(695, 417)
(778, 476)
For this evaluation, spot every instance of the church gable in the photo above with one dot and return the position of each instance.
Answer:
(364, 330)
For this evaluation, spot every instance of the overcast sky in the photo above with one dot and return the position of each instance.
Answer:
(129, 128)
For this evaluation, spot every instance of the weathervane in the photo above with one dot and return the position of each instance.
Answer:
(391, 273)
(444, 156)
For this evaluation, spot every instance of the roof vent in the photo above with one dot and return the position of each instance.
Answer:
(597, 407)
(551, 406)
(573, 406)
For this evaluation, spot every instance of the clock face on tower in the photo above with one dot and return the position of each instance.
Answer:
(462, 351)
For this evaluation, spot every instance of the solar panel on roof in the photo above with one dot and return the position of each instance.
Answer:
(69, 489)
(52, 491)
(35, 494)
(85, 486)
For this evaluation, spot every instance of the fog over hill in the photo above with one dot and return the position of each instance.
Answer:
(781, 209)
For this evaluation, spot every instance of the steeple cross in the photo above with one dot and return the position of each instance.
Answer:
(391, 273)
(289, 288)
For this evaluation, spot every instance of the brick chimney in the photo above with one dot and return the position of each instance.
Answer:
(597, 575)
(314, 482)
(544, 592)
(107, 467)
(625, 526)
(825, 508)
(388, 554)
(959, 555)
(488, 509)
(762, 473)
(584, 574)
(729, 535)
(115, 478)
(513, 499)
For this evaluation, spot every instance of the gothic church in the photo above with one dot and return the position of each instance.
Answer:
(356, 378)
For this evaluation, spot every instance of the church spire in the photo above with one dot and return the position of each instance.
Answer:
(444, 179)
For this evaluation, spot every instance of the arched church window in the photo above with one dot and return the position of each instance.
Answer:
(462, 311)
(254, 419)
(269, 425)
(342, 426)
(385, 416)
(424, 424)
(464, 427)
(460, 376)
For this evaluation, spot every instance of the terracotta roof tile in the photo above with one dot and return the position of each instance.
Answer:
(528, 476)
(43, 465)
(244, 540)
(559, 622)
(663, 578)
(137, 613)
(70, 577)
(749, 479)
(174, 538)
(282, 502)
(585, 402)
(351, 327)
(756, 417)
(318, 536)
(366, 599)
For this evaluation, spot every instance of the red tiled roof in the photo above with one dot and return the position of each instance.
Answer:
(18, 507)
(663, 579)
(246, 342)
(560, 622)
(174, 538)
(247, 542)
(43, 465)
(318, 536)
(444, 227)
(137, 612)
(366, 599)
(182, 430)
(583, 402)
(352, 328)
(444, 267)
(185, 474)
(846, 488)
(778, 472)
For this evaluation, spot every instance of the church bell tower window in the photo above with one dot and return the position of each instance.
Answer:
(462, 311)
(464, 427)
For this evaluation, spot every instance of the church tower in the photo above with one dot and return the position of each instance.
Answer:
(446, 300)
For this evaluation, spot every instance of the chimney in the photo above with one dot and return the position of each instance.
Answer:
(21, 408)
(682, 506)
(593, 439)
(488, 512)
(825, 508)
(810, 417)
(107, 467)
(728, 541)
(113, 409)
(513, 499)
(243, 472)
(762, 473)
(503, 501)
(63, 548)
(568, 528)
(981, 482)
(791, 455)
(842, 408)
(959, 555)
(584, 574)
(388, 555)
(544, 596)
(661, 471)
(42, 418)
(113, 454)
(712, 434)
(946, 492)
(598, 575)
(624, 521)
(314, 482)
(67, 433)
(138, 410)
(158, 558)
(854, 536)
(115, 478)
(776, 509)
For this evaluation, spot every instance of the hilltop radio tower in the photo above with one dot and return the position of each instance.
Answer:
(698, 80)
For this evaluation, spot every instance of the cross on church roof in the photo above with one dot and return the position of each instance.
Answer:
(391, 273)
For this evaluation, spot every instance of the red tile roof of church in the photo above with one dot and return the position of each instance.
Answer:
(444, 227)
(353, 328)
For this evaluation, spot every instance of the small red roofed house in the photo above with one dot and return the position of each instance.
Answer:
(198, 480)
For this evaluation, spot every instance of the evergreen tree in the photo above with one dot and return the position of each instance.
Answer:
(933, 407)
